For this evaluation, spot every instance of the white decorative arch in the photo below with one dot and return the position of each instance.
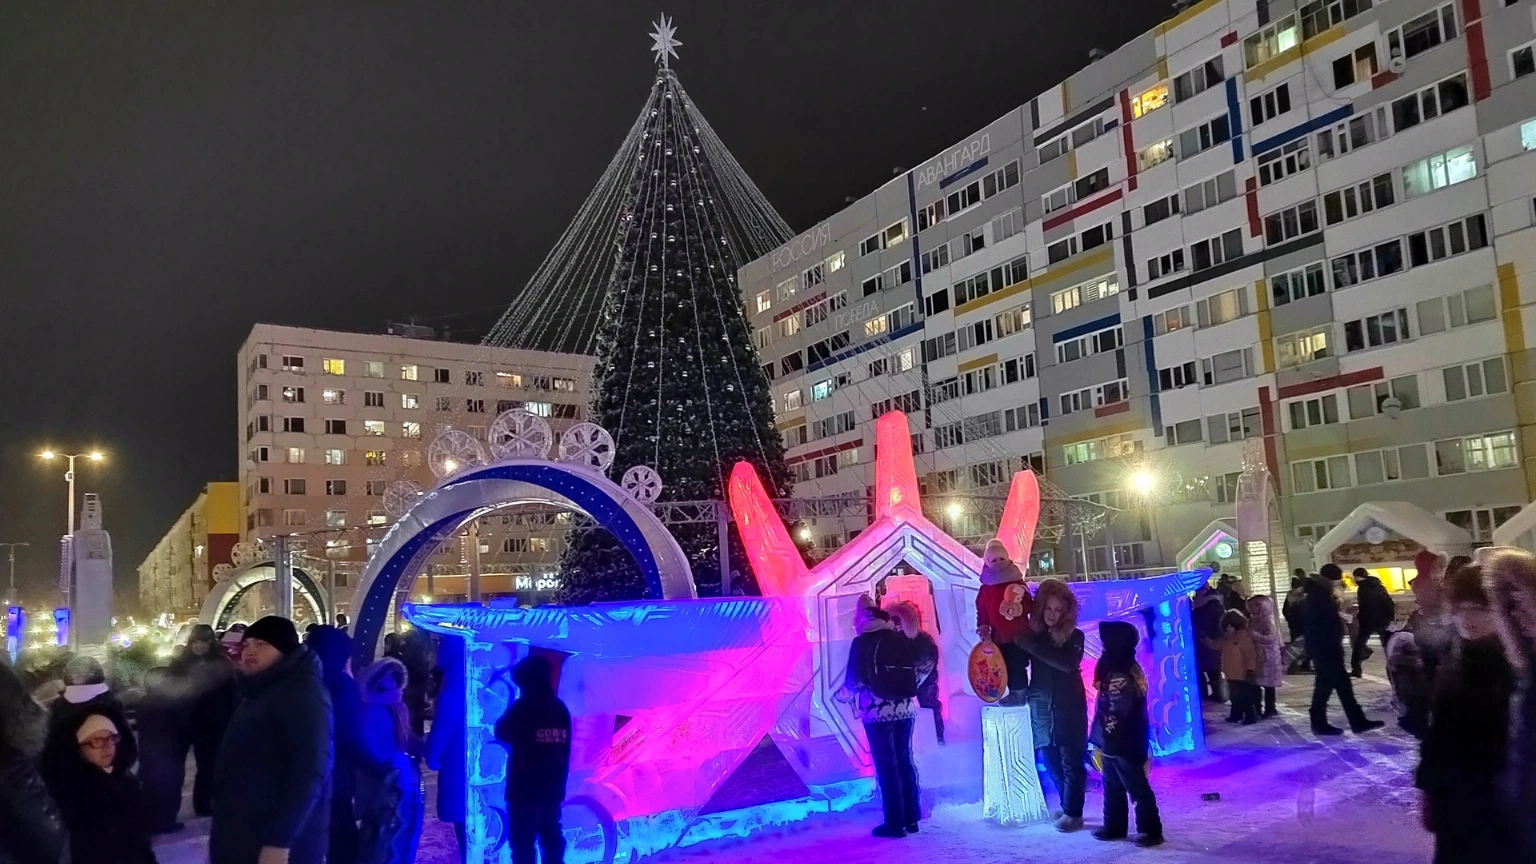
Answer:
(228, 592)
(443, 510)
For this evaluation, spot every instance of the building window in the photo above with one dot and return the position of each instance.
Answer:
(539, 409)
(293, 424)
(1218, 309)
(261, 454)
(1527, 136)
(443, 403)
(1228, 366)
(1318, 474)
(1058, 199)
(335, 518)
(1234, 426)
(293, 394)
(763, 301)
(1356, 66)
(1367, 264)
(373, 399)
(473, 378)
(1205, 136)
(335, 487)
(1164, 265)
(1290, 223)
(1282, 162)
(1273, 40)
(1298, 284)
(1522, 61)
(333, 366)
(1198, 79)
(1477, 453)
(1429, 103)
(1471, 380)
(1358, 199)
(335, 427)
(1089, 344)
(1103, 448)
(375, 458)
(1170, 320)
(1423, 33)
(1472, 306)
(408, 372)
(1409, 462)
(1092, 184)
(1269, 105)
(410, 401)
(293, 517)
(1175, 377)
(1160, 209)
(1154, 154)
(1435, 244)
(1318, 411)
(1354, 133)
(1061, 250)
(442, 376)
(1373, 331)
(292, 363)
(474, 406)
(1151, 100)
(294, 486)
(334, 397)
(410, 429)
(1209, 193)
(1209, 253)
(1438, 171)
(373, 427)
(871, 244)
(1368, 400)
(335, 457)
(1183, 432)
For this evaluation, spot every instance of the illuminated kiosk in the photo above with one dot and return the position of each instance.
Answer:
(697, 719)
(220, 604)
(1212, 548)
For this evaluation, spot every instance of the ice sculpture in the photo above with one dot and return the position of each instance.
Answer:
(704, 718)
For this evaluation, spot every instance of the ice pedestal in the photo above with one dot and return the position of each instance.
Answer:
(1012, 785)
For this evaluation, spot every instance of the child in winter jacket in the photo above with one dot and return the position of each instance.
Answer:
(908, 620)
(1121, 734)
(1268, 643)
(875, 659)
(1240, 665)
(1002, 615)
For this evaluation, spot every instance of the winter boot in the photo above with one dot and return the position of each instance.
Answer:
(1146, 841)
(1106, 834)
(890, 832)
(1068, 824)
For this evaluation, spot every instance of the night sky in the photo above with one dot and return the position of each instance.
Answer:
(172, 173)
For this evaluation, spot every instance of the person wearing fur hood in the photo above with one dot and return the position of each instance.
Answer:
(1003, 607)
(389, 802)
(1057, 702)
(888, 716)
(1206, 612)
(1266, 639)
(1512, 595)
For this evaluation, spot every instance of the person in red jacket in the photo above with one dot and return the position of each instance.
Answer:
(1002, 615)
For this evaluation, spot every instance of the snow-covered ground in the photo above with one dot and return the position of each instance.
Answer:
(1285, 797)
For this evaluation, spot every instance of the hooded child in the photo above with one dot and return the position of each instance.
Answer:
(909, 621)
(1003, 606)
(1121, 734)
(537, 731)
(1269, 645)
(1240, 666)
(1057, 703)
(389, 801)
(882, 680)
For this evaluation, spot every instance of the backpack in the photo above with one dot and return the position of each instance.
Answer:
(891, 672)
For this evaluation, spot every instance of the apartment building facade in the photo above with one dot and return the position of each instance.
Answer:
(329, 419)
(176, 576)
(1305, 223)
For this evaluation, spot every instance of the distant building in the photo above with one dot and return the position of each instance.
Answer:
(1309, 224)
(328, 419)
(178, 573)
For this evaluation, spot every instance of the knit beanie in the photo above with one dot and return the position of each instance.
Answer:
(94, 724)
(275, 631)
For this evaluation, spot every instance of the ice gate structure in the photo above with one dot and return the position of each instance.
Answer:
(703, 718)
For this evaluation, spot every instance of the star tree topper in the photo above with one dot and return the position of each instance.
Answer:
(663, 40)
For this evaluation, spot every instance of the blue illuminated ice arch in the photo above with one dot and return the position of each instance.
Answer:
(443, 510)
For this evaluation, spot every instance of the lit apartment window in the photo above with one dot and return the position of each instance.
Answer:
(333, 366)
(1154, 154)
(542, 409)
(334, 397)
(293, 517)
(792, 400)
(762, 302)
(295, 455)
(1151, 100)
(410, 400)
(375, 458)
(293, 394)
(373, 369)
(1170, 320)
(292, 363)
(1304, 346)
(335, 518)
(1477, 453)
(1273, 40)
(377, 517)
(335, 457)
(373, 427)
(409, 372)
(1438, 171)
(410, 429)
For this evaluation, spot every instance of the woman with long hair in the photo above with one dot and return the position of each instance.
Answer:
(1058, 704)
(1512, 597)
(1266, 638)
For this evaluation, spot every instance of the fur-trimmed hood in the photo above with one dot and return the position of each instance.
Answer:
(1054, 589)
(1511, 582)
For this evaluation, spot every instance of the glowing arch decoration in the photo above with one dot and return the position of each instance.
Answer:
(440, 512)
(704, 718)
(233, 586)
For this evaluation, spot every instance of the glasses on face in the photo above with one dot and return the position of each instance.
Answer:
(101, 742)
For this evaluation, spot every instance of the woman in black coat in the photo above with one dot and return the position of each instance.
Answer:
(1057, 702)
(89, 775)
(31, 830)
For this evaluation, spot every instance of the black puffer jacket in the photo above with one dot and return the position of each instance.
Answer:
(1376, 607)
(1058, 705)
(104, 812)
(1320, 621)
(31, 829)
(273, 774)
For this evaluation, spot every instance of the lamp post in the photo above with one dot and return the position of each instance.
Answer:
(69, 477)
(10, 594)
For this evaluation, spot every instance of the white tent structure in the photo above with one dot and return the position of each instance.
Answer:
(1519, 531)
(1387, 534)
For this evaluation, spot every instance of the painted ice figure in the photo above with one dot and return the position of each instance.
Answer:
(705, 718)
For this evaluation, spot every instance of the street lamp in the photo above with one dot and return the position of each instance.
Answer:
(11, 548)
(69, 477)
(1143, 482)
